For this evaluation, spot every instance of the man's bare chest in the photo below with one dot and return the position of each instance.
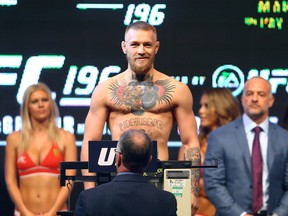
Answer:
(141, 97)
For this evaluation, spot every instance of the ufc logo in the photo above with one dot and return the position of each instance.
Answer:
(105, 160)
(101, 156)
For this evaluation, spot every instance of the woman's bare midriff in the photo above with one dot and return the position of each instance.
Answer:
(39, 192)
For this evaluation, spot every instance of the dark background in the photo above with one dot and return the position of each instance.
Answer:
(196, 38)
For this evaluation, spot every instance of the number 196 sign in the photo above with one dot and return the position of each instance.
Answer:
(144, 12)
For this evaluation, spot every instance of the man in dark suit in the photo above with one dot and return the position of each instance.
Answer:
(231, 186)
(129, 193)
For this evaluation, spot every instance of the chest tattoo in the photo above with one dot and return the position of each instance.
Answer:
(141, 96)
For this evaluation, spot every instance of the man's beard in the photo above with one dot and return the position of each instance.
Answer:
(255, 115)
(140, 69)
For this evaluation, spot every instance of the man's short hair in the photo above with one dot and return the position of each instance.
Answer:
(141, 25)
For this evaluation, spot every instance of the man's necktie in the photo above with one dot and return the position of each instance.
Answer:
(257, 169)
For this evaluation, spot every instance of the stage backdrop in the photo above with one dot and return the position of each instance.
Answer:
(74, 45)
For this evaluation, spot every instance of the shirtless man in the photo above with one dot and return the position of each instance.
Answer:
(143, 98)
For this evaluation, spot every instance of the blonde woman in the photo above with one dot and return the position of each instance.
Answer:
(33, 155)
(217, 107)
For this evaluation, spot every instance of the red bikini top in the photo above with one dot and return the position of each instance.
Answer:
(49, 166)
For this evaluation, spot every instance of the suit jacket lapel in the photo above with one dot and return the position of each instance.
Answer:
(272, 139)
(241, 139)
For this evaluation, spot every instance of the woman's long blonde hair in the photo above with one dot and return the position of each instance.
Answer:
(27, 129)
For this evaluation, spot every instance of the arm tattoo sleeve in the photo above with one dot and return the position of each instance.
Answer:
(193, 154)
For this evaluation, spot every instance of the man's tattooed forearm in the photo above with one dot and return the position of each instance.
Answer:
(193, 154)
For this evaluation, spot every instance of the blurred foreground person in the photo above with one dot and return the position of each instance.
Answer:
(129, 193)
